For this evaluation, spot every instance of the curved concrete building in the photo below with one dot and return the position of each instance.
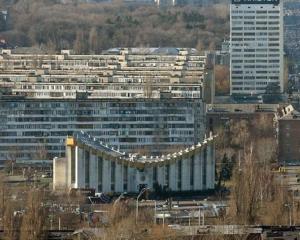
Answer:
(91, 164)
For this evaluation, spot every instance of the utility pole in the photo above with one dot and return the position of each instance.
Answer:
(137, 204)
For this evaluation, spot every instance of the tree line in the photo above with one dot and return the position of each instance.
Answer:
(93, 27)
(246, 155)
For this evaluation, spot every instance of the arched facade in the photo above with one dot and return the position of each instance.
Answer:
(91, 164)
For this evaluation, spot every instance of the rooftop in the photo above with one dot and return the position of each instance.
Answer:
(87, 141)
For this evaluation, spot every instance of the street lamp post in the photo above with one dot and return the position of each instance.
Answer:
(289, 206)
(59, 224)
(154, 212)
(119, 198)
(199, 216)
(137, 203)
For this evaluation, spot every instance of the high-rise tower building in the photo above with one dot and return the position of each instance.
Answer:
(256, 32)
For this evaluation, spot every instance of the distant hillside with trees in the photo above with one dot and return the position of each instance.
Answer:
(92, 27)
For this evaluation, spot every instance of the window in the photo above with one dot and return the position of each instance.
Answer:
(237, 28)
(237, 83)
(261, 28)
(237, 34)
(273, 28)
(274, 11)
(261, 12)
(261, 23)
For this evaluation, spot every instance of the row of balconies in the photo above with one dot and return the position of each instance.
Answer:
(86, 58)
(105, 71)
(105, 93)
(87, 65)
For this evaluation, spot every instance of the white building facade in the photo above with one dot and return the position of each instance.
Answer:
(91, 164)
(35, 129)
(136, 99)
(116, 73)
(256, 33)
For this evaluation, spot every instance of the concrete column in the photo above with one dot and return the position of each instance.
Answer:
(197, 171)
(99, 181)
(173, 176)
(54, 174)
(68, 165)
(210, 167)
(93, 171)
(76, 167)
(161, 175)
(185, 185)
(150, 177)
(106, 176)
(132, 183)
(178, 173)
(119, 178)
(213, 160)
(60, 174)
(201, 168)
(204, 168)
(147, 174)
(80, 168)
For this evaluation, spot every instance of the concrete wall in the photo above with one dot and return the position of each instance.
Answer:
(60, 180)
(289, 140)
(136, 177)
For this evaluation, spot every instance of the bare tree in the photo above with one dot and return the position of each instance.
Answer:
(274, 211)
(245, 193)
(12, 159)
(239, 134)
(148, 87)
(80, 44)
(34, 220)
(10, 218)
(41, 152)
(257, 197)
(11, 222)
(124, 226)
(93, 40)
(222, 79)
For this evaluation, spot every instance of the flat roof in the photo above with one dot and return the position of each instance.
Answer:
(274, 2)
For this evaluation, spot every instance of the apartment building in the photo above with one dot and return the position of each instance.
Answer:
(256, 33)
(117, 73)
(146, 100)
(35, 129)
